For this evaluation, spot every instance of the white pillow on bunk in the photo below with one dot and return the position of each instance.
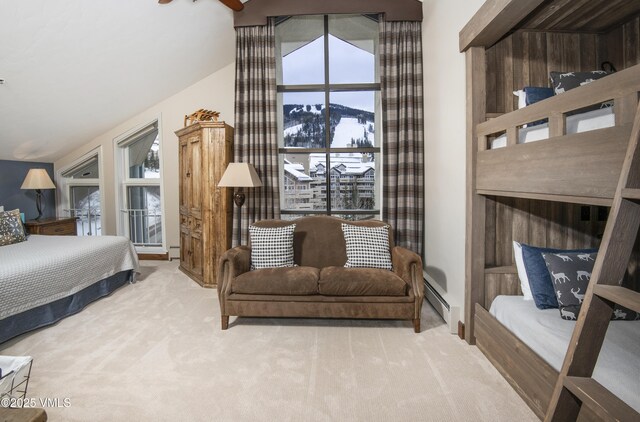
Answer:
(522, 272)
(522, 98)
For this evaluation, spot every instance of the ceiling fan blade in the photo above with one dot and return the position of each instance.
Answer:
(233, 4)
(164, 1)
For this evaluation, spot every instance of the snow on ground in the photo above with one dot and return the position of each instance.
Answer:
(351, 160)
(292, 130)
(314, 108)
(349, 128)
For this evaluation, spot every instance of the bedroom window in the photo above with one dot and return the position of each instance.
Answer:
(330, 162)
(140, 193)
(81, 194)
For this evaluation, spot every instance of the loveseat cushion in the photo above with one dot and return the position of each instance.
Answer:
(278, 281)
(340, 281)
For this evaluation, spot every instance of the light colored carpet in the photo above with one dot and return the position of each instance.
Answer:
(154, 351)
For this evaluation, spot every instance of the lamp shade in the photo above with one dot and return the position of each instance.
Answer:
(240, 175)
(37, 179)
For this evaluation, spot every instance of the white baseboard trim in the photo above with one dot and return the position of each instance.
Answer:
(450, 314)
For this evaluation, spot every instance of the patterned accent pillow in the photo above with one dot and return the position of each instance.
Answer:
(367, 247)
(564, 81)
(271, 247)
(571, 273)
(11, 228)
(538, 275)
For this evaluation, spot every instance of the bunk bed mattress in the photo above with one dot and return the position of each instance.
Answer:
(577, 123)
(618, 367)
(44, 269)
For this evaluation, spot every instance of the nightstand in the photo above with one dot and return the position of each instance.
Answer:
(53, 226)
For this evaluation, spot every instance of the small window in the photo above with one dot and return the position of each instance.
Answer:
(81, 196)
(140, 194)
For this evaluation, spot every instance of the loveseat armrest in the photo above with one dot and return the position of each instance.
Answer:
(231, 264)
(408, 266)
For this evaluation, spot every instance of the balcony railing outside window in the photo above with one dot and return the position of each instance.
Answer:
(145, 226)
(88, 221)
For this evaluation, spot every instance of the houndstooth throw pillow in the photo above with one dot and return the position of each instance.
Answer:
(271, 247)
(367, 247)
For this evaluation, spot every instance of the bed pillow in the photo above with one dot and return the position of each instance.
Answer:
(571, 273)
(11, 228)
(271, 247)
(564, 81)
(522, 273)
(539, 279)
(532, 94)
(367, 247)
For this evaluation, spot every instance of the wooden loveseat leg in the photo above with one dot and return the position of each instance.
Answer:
(416, 325)
(225, 322)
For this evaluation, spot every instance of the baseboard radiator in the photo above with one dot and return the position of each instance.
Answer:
(450, 314)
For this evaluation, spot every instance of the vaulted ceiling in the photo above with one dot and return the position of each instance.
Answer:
(73, 69)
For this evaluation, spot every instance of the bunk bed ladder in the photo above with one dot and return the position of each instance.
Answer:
(575, 388)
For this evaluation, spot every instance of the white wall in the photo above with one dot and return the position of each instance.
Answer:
(445, 145)
(215, 92)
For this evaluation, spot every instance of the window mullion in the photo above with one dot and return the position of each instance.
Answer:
(327, 114)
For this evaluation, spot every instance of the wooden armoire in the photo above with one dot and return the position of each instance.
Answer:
(206, 148)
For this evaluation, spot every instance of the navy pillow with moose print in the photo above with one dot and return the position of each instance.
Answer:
(570, 274)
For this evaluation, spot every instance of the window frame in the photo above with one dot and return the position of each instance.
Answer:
(124, 182)
(328, 88)
(65, 184)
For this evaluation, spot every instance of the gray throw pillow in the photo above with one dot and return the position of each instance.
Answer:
(570, 273)
(565, 81)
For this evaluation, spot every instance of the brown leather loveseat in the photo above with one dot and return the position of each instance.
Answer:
(320, 286)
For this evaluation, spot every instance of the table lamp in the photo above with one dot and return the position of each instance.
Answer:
(38, 179)
(240, 175)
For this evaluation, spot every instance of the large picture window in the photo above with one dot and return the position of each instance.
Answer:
(329, 108)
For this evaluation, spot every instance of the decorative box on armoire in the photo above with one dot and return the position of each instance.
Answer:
(206, 148)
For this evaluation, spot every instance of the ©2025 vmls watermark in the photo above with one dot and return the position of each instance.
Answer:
(45, 402)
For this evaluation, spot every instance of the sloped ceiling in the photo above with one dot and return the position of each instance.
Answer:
(73, 69)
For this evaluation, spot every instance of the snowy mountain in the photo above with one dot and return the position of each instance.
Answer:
(304, 126)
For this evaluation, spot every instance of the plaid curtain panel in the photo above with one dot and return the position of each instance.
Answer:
(256, 137)
(403, 114)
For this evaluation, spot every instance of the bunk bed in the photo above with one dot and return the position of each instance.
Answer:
(556, 191)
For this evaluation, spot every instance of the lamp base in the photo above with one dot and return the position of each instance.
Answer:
(238, 199)
(38, 203)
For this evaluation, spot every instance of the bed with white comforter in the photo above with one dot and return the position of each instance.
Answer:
(618, 366)
(46, 269)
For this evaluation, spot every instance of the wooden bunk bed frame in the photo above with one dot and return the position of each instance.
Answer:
(533, 193)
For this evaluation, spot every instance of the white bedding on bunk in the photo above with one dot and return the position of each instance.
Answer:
(47, 268)
(618, 367)
(583, 122)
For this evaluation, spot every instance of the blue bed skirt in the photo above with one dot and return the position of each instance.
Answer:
(53, 312)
